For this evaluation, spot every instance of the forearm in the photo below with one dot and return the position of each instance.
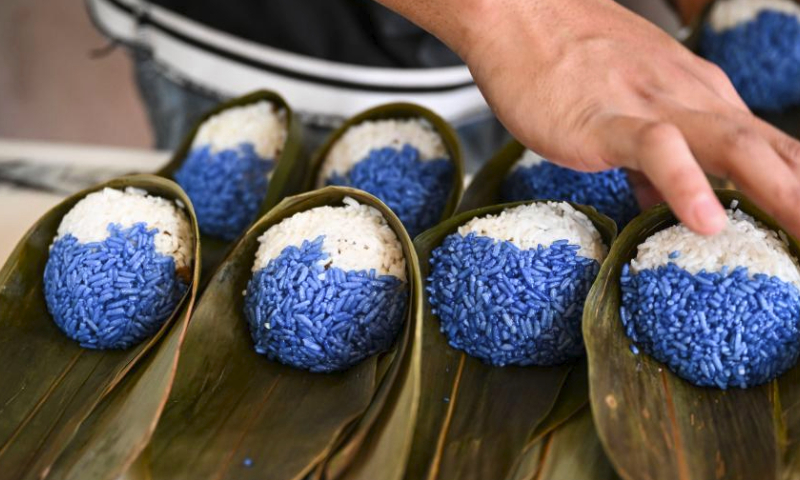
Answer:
(453, 21)
(468, 25)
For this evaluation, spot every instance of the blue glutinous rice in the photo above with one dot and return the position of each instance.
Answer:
(118, 267)
(509, 289)
(402, 162)
(719, 311)
(757, 44)
(534, 178)
(227, 170)
(328, 288)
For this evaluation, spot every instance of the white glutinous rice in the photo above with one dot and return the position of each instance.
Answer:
(89, 219)
(328, 288)
(118, 267)
(359, 140)
(528, 226)
(260, 124)
(744, 243)
(728, 14)
(357, 237)
(720, 311)
(509, 288)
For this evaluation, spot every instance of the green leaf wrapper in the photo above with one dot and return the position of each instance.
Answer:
(398, 111)
(476, 421)
(50, 384)
(229, 403)
(485, 187)
(655, 425)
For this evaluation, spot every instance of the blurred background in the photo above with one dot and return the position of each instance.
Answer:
(61, 80)
(70, 111)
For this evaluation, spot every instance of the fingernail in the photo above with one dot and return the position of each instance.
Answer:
(709, 214)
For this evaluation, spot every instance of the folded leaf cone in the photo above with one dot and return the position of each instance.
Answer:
(233, 413)
(51, 384)
(653, 424)
(398, 111)
(285, 178)
(475, 420)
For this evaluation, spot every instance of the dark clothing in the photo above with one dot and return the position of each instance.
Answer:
(359, 32)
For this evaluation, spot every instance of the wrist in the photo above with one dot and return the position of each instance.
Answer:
(504, 26)
(467, 26)
(473, 22)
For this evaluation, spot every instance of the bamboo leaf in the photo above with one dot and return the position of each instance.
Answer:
(398, 111)
(229, 404)
(475, 420)
(381, 448)
(140, 470)
(655, 425)
(51, 384)
(786, 393)
(286, 177)
(485, 189)
(574, 396)
(117, 432)
(573, 452)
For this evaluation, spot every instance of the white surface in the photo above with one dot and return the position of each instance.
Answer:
(729, 14)
(528, 159)
(89, 219)
(743, 243)
(529, 226)
(260, 124)
(23, 207)
(357, 237)
(83, 156)
(359, 140)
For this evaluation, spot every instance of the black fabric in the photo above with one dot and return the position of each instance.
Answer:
(359, 32)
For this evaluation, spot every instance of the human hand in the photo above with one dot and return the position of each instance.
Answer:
(590, 85)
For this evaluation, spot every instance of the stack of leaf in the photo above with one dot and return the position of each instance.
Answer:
(420, 410)
(52, 385)
(248, 410)
(234, 414)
